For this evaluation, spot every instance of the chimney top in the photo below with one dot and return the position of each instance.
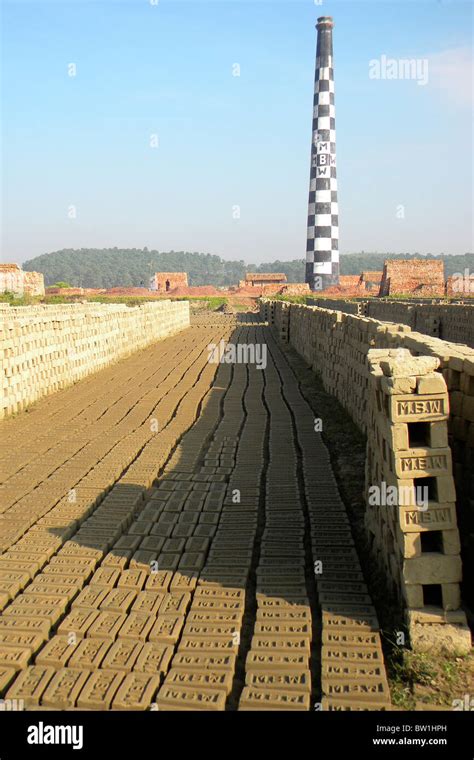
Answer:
(325, 22)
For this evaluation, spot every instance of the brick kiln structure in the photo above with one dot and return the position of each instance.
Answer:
(163, 282)
(253, 280)
(14, 280)
(419, 277)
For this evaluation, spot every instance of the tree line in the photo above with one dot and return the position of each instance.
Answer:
(132, 267)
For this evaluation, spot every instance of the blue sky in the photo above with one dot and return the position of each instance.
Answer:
(79, 169)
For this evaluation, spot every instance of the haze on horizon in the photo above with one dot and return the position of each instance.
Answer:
(187, 126)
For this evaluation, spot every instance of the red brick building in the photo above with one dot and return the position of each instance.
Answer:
(166, 281)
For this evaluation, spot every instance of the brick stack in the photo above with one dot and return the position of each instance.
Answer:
(411, 513)
(46, 348)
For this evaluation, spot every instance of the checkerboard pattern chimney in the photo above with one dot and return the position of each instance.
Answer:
(322, 249)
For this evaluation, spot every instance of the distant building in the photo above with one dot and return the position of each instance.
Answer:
(13, 279)
(162, 282)
(418, 277)
(253, 280)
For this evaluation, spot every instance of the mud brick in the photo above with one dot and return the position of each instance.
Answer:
(225, 594)
(183, 530)
(78, 622)
(37, 624)
(23, 566)
(100, 689)
(334, 668)
(121, 655)
(106, 626)
(12, 581)
(159, 581)
(200, 679)
(339, 598)
(20, 610)
(435, 615)
(154, 658)
(349, 609)
(91, 597)
(217, 578)
(105, 576)
(7, 674)
(435, 517)
(140, 528)
(432, 568)
(89, 654)
(168, 561)
(69, 564)
(208, 618)
(365, 623)
(148, 602)
(279, 661)
(280, 643)
(295, 604)
(350, 638)
(354, 689)
(184, 581)
(128, 542)
(176, 603)
(412, 408)
(30, 685)
(174, 697)
(288, 591)
(22, 638)
(16, 657)
(285, 680)
(204, 530)
(39, 586)
(273, 699)
(174, 545)
(143, 560)
(64, 688)
(118, 600)
(201, 661)
(331, 704)
(137, 626)
(133, 579)
(118, 559)
(282, 628)
(161, 529)
(193, 561)
(136, 691)
(56, 653)
(166, 628)
(213, 629)
(348, 587)
(201, 644)
(152, 543)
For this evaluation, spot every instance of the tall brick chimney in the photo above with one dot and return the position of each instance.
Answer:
(322, 249)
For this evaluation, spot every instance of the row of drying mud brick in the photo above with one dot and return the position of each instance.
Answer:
(451, 322)
(79, 551)
(337, 347)
(45, 348)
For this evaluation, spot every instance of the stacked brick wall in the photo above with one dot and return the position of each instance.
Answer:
(451, 322)
(14, 280)
(419, 276)
(45, 348)
(336, 346)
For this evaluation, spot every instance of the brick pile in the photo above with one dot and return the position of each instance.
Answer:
(14, 280)
(410, 494)
(419, 276)
(45, 348)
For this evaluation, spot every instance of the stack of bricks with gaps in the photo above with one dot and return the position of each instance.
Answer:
(410, 494)
(46, 348)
